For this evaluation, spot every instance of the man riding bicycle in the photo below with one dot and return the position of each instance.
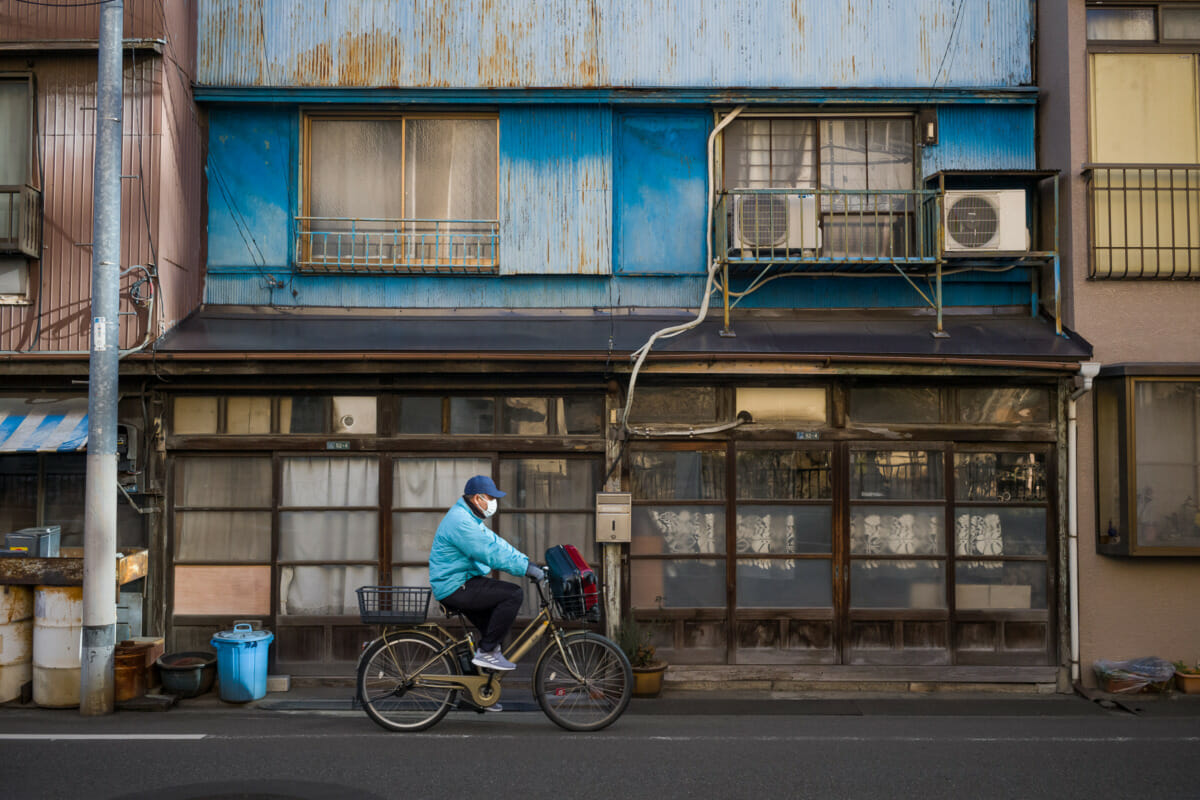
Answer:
(464, 551)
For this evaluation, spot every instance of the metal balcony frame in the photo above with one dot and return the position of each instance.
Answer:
(928, 229)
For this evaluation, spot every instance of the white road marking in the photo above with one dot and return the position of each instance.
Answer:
(102, 737)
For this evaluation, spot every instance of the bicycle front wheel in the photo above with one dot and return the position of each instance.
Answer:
(389, 682)
(584, 684)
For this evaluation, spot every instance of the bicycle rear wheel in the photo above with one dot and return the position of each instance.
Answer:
(388, 682)
(585, 685)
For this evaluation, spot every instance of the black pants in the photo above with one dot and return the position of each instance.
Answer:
(490, 604)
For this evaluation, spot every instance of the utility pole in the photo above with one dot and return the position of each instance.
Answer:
(96, 684)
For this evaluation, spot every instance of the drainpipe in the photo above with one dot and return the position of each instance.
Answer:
(1087, 372)
(713, 265)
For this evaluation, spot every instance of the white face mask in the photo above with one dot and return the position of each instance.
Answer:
(490, 507)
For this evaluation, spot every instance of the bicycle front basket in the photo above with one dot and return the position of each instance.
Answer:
(393, 605)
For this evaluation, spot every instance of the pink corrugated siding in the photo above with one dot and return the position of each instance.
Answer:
(61, 288)
(23, 22)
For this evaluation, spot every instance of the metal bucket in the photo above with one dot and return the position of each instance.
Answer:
(16, 640)
(129, 672)
(57, 644)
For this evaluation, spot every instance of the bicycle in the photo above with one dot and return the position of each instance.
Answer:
(412, 674)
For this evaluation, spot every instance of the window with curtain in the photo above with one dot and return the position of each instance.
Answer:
(222, 535)
(858, 167)
(423, 488)
(328, 533)
(1144, 176)
(549, 501)
(16, 184)
(388, 192)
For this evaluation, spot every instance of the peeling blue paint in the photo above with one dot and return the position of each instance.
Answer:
(983, 137)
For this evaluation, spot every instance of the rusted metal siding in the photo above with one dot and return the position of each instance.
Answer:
(983, 137)
(60, 288)
(76, 21)
(615, 43)
(555, 190)
(180, 181)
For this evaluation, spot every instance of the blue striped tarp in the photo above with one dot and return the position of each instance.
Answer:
(43, 426)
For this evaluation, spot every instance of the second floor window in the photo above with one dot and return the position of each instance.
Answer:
(860, 171)
(20, 221)
(400, 193)
(1144, 103)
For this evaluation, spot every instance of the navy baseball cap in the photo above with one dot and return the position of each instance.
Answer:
(482, 484)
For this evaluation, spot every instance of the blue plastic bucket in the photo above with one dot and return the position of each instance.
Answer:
(242, 663)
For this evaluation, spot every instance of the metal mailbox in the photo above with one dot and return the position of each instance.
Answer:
(612, 516)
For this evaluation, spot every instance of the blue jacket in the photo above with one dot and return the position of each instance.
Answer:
(465, 548)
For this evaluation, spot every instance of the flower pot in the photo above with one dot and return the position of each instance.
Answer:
(1188, 682)
(648, 681)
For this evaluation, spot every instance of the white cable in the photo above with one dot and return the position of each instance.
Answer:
(713, 265)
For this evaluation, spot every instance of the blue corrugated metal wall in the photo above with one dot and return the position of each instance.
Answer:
(556, 190)
(615, 43)
(560, 218)
(252, 163)
(660, 163)
(983, 137)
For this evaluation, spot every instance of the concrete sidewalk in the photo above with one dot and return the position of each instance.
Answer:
(676, 702)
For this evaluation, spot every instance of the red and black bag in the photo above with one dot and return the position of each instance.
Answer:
(572, 581)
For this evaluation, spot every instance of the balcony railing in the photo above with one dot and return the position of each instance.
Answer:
(1145, 221)
(839, 229)
(397, 246)
(21, 220)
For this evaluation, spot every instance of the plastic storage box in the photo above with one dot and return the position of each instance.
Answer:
(242, 663)
(37, 542)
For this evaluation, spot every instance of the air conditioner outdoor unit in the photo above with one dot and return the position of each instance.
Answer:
(775, 222)
(981, 221)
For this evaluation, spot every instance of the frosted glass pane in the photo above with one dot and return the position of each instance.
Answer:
(412, 535)
(1000, 532)
(549, 483)
(451, 169)
(677, 583)
(247, 415)
(223, 482)
(1120, 24)
(528, 416)
(782, 405)
(896, 475)
(195, 415)
(770, 154)
(328, 535)
(678, 475)
(311, 482)
(783, 474)
(784, 583)
(897, 530)
(434, 482)
(1180, 23)
(1143, 108)
(903, 404)
(222, 536)
(897, 584)
(998, 584)
(14, 133)
(354, 415)
(356, 168)
(678, 529)
(472, 415)
(420, 415)
(323, 591)
(784, 529)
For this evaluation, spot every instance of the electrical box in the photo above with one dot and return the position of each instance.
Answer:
(127, 448)
(613, 511)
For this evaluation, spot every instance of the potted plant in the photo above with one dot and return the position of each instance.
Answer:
(1187, 677)
(648, 671)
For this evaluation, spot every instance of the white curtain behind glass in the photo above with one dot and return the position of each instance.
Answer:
(434, 482)
(450, 169)
(327, 535)
(356, 168)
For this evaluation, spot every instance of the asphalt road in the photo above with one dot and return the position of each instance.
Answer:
(185, 755)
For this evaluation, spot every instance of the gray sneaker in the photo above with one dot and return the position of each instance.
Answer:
(492, 660)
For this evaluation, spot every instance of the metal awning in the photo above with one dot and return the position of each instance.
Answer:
(224, 332)
(37, 425)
